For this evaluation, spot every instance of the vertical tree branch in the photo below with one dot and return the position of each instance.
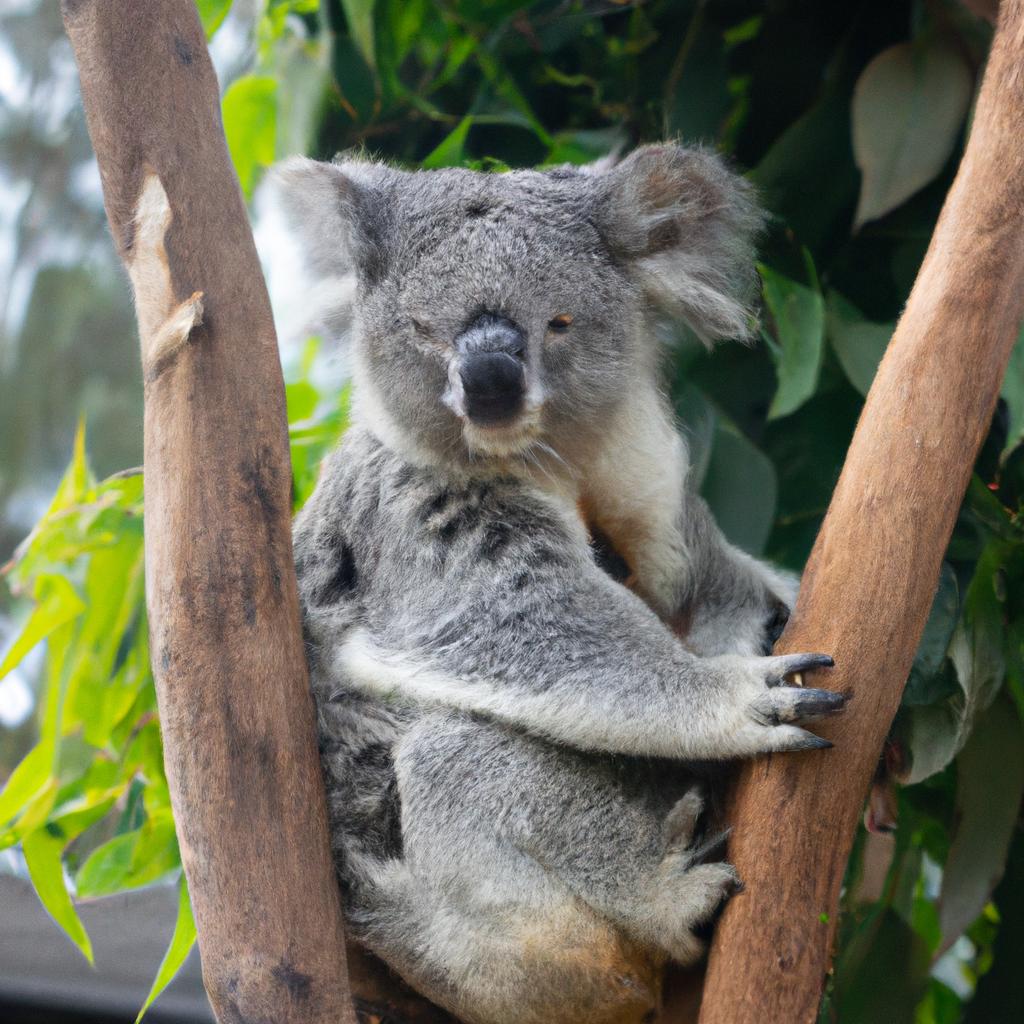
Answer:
(236, 710)
(871, 577)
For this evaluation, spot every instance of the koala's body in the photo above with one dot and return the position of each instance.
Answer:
(508, 733)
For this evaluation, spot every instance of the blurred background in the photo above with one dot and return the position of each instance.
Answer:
(848, 117)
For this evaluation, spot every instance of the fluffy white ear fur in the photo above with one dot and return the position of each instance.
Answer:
(686, 225)
(339, 221)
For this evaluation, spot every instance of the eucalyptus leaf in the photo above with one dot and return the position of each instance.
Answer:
(798, 314)
(131, 860)
(451, 151)
(857, 342)
(57, 604)
(908, 108)
(359, 15)
(740, 487)
(212, 14)
(926, 684)
(990, 786)
(43, 857)
(1013, 394)
(250, 125)
(182, 941)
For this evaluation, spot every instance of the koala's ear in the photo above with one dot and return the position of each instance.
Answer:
(339, 214)
(685, 225)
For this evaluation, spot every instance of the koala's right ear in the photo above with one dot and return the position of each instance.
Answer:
(338, 213)
(684, 224)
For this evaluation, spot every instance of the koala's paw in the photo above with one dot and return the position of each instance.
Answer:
(769, 711)
(687, 892)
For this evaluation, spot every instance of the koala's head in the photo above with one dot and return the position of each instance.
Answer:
(495, 312)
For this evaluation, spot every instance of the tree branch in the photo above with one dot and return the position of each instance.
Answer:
(235, 706)
(872, 575)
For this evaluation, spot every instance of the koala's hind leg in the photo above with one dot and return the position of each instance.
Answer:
(658, 885)
(546, 832)
(475, 923)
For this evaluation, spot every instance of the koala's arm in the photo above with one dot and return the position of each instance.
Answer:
(511, 619)
(638, 493)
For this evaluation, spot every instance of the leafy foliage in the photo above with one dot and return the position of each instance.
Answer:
(850, 120)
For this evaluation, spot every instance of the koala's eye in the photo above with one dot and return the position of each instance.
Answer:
(560, 324)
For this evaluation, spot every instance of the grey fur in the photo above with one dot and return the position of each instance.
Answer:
(508, 733)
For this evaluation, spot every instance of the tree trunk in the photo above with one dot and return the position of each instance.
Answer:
(871, 577)
(235, 706)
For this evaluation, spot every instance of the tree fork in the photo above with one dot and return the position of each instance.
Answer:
(235, 707)
(872, 574)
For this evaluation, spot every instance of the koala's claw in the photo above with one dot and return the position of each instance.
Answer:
(786, 704)
(783, 665)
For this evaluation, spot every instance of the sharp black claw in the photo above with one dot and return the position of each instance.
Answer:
(819, 702)
(805, 662)
(813, 742)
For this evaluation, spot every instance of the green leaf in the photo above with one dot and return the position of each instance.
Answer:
(741, 489)
(57, 604)
(131, 860)
(798, 313)
(926, 684)
(250, 125)
(43, 857)
(908, 108)
(26, 781)
(451, 149)
(813, 149)
(1013, 394)
(883, 948)
(359, 15)
(182, 941)
(212, 13)
(990, 785)
(857, 342)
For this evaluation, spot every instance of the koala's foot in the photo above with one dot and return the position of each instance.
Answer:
(685, 892)
(765, 714)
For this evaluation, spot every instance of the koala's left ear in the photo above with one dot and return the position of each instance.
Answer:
(685, 225)
(339, 212)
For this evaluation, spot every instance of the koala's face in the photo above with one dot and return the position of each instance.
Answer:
(498, 312)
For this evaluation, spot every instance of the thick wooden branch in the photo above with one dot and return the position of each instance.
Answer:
(236, 710)
(871, 577)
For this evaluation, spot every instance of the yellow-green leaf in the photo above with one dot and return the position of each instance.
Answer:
(43, 856)
(57, 604)
(131, 860)
(26, 781)
(250, 125)
(450, 151)
(182, 940)
(212, 13)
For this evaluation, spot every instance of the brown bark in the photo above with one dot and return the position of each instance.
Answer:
(874, 568)
(236, 710)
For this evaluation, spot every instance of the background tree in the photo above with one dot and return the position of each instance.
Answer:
(850, 119)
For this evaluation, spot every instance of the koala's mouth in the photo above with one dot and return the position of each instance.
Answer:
(501, 440)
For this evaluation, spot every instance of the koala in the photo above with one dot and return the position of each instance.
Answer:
(512, 738)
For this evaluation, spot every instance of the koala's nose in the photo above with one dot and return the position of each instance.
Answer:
(494, 384)
(492, 369)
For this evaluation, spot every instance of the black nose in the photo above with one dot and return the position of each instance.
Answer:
(495, 386)
(493, 369)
